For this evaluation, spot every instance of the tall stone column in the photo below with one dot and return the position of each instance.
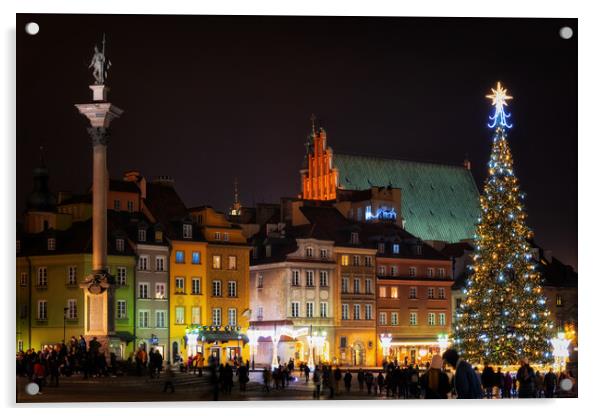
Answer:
(99, 286)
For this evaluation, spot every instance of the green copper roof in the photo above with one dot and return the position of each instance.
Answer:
(438, 202)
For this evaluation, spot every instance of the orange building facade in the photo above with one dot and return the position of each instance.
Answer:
(319, 179)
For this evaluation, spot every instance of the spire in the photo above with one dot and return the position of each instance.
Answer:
(313, 119)
(235, 209)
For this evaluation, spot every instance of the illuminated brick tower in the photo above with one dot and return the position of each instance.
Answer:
(318, 177)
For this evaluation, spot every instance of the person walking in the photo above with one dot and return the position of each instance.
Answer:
(550, 381)
(369, 377)
(507, 386)
(488, 380)
(307, 371)
(317, 383)
(169, 377)
(338, 375)
(466, 382)
(243, 377)
(525, 376)
(347, 381)
(539, 389)
(361, 379)
(434, 381)
(380, 383)
(266, 379)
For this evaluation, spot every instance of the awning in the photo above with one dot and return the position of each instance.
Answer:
(125, 336)
(408, 341)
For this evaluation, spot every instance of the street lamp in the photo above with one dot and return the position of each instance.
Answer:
(561, 350)
(385, 342)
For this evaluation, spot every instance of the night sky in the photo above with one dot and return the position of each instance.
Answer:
(210, 98)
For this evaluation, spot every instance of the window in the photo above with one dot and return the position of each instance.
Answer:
(143, 290)
(196, 257)
(368, 309)
(216, 287)
(42, 310)
(413, 293)
(142, 236)
(382, 292)
(413, 318)
(259, 280)
(442, 319)
(368, 286)
(268, 250)
(323, 253)
(382, 271)
(255, 252)
(344, 260)
(131, 206)
(396, 248)
(187, 231)
(232, 316)
(412, 271)
(121, 276)
(458, 303)
(382, 318)
(295, 309)
(122, 310)
(393, 270)
(356, 285)
(143, 319)
(196, 286)
(260, 313)
(323, 278)
(52, 244)
(160, 321)
(431, 319)
(345, 285)
(430, 293)
(117, 205)
(179, 285)
(231, 262)
(368, 261)
(226, 237)
(120, 244)
(559, 300)
(430, 272)
(356, 260)
(345, 312)
(441, 293)
(394, 293)
(217, 262)
(295, 278)
(394, 318)
(309, 251)
(309, 309)
(217, 235)
(381, 247)
(232, 289)
(343, 342)
(419, 250)
(356, 312)
(143, 263)
(309, 278)
(355, 238)
(160, 263)
(441, 272)
(72, 275)
(158, 236)
(179, 256)
(180, 315)
(23, 312)
(24, 279)
(71, 309)
(42, 277)
(159, 290)
(360, 213)
(323, 309)
(195, 315)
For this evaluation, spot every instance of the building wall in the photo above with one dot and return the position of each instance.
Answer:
(155, 302)
(562, 304)
(319, 181)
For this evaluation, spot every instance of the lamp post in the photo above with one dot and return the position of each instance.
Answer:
(385, 342)
(561, 350)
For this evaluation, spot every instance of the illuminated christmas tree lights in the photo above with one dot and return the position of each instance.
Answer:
(504, 317)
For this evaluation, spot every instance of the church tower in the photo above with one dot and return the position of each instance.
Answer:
(318, 177)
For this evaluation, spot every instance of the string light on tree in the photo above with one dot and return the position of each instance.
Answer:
(504, 317)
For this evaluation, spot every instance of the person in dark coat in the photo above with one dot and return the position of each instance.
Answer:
(338, 376)
(525, 376)
(507, 386)
(434, 381)
(347, 380)
(369, 378)
(380, 383)
(550, 380)
(488, 380)
(360, 379)
(466, 382)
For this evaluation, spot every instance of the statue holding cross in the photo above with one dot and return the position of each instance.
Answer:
(100, 64)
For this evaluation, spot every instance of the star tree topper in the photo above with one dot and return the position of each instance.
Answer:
(498, 99)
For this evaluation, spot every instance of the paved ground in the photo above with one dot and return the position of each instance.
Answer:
(188, 388)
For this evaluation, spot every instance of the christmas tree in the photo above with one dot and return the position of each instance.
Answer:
(504, 317)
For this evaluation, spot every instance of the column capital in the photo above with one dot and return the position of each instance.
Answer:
(99, 135)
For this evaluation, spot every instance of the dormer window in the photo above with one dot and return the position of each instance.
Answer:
(119, 244)
(217, 235)
(396, 248)
(419, 250)
(187, 230)
(309, 251)
(158, 236)
(355, 238)
(381, 247)
(226, 237)
(52, 244)
(141, 234)
(268, 251)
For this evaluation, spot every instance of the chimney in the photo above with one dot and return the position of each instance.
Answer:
(467, 164)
